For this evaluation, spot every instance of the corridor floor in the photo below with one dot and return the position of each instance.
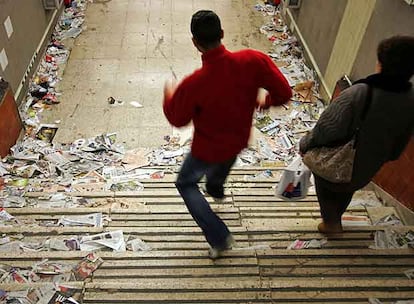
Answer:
(127, 51)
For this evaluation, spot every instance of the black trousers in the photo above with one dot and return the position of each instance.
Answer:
(333, 202)
(192, 171)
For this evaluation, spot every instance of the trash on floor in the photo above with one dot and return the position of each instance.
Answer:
(88, 220)
(355, 220)
(409, 273)
(311, 244)
(136, 158)
(365, 203)
(113, 240)
(137, 244)
(377, 301)
(391, 239)
(43, 271)
(87, 266)
(136, 104)
(46, 132)
(389, 220)
(262, 175)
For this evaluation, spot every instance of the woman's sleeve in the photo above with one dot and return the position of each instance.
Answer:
(334, 125)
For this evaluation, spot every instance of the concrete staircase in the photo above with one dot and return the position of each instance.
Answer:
(259, 270)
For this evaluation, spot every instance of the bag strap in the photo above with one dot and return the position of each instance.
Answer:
(368, 101)
(362, 116)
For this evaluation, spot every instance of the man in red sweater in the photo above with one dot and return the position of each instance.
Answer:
(220, 99)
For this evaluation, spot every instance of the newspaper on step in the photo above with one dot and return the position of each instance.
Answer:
(355, 220)
(89, 220)
(87, 266)
(377, 301)
(136, 158)
(12, 201)
(389, 220)
(138, 245)
(390, 239)
(311, 244)
(111, 239)
(409, 273)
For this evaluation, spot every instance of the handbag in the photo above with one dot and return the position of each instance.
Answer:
(335, 164)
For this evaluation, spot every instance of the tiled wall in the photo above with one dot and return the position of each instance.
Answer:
(29, 21)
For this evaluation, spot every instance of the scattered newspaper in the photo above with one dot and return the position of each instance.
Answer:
(87, 266)
(389, 220)
(138, 245)
(5, 216)
(390, 239)
(113, 240)
(311, 244)
(89, 220)
(355, 220)
(409, 273)
(377, 301)
(136, 158)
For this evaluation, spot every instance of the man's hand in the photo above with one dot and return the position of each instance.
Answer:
(169, 88)
(261, 99)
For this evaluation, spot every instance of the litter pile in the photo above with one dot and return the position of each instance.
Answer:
(283, 133)
(389, 220)
(49, 293)
(93, 164)
(43, 90)
(172, 153)
(57, 274)
(311, 244)
(377, 301)
(44, 271)
(106, 241)
(60, 174)
(391, 239)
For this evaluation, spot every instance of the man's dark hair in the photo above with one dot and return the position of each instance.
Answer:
(206, 28)
(396, 55)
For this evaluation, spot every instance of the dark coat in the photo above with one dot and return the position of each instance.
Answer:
(386, 130)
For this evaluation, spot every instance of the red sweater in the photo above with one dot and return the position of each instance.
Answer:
(220, 99)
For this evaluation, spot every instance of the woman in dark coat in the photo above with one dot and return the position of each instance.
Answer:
(384, 133)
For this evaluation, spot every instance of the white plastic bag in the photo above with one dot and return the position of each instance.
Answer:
(295, 181)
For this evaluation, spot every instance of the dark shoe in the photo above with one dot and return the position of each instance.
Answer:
(218, 200)
(330, 228)
(216, 252)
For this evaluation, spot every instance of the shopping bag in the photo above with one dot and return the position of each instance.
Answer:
(295, 181)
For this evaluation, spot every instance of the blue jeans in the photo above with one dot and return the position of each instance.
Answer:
(190, 174)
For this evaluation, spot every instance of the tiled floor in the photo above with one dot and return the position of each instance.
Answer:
(128, 50)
